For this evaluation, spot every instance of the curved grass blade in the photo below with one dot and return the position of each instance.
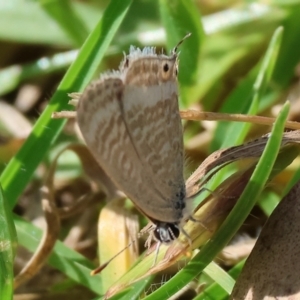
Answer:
(8, 242)
(215, 291)
(236, 133)
(215, 272)
(293, 181)
(72, 25)
(134, 291)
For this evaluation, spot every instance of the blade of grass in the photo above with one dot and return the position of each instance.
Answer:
(215, 291)
(8, 242)
(133, 292)
(259, 87)
(235, 132)
(68, 261)
(286, 64)
(292, 182)
(26, 22)
(284, 159)
(179, 18)
(72, 24)
(268, 201)
(20, 169)
(225, 53)
(236, 217)
(16, 24)
(220, 276)
(284, 71)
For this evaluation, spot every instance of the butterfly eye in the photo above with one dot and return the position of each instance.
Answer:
(126, 63)
(166, 67)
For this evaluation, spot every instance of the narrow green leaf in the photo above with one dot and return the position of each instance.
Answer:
(293, 181)
(179, 18)
(26, 22)
(8, 242)
(20, 169)
(67, 18)
(215, 291)
(268, 64)
(134, 291)
(236, 132)
(68, 261)
(220, 276)
(288, 58)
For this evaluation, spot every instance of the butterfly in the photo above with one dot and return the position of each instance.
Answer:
(131, 124)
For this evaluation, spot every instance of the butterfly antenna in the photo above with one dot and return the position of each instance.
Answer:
(156, 253)
(103, 266)
(174, 51)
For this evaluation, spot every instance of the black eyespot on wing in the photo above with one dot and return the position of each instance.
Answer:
(179, 205)
(166, 67)
(181, 194)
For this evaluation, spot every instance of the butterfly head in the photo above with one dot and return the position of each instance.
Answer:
(166, 232)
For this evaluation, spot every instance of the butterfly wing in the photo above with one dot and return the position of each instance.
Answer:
(151, 114)
(131, 123)
(102, 122)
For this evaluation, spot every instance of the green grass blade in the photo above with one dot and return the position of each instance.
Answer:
(286, 64)
(179, 18)
(267, 201)
(134, 291)
(26, 22)
(68, 261)
(18, 172)
(268, 64)
(236, 217)
(235, 132)
(72, 24)
(8, 242)
(220, 276)
(16, 24)
(292, 182)
(215, 291)
(263, 79)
